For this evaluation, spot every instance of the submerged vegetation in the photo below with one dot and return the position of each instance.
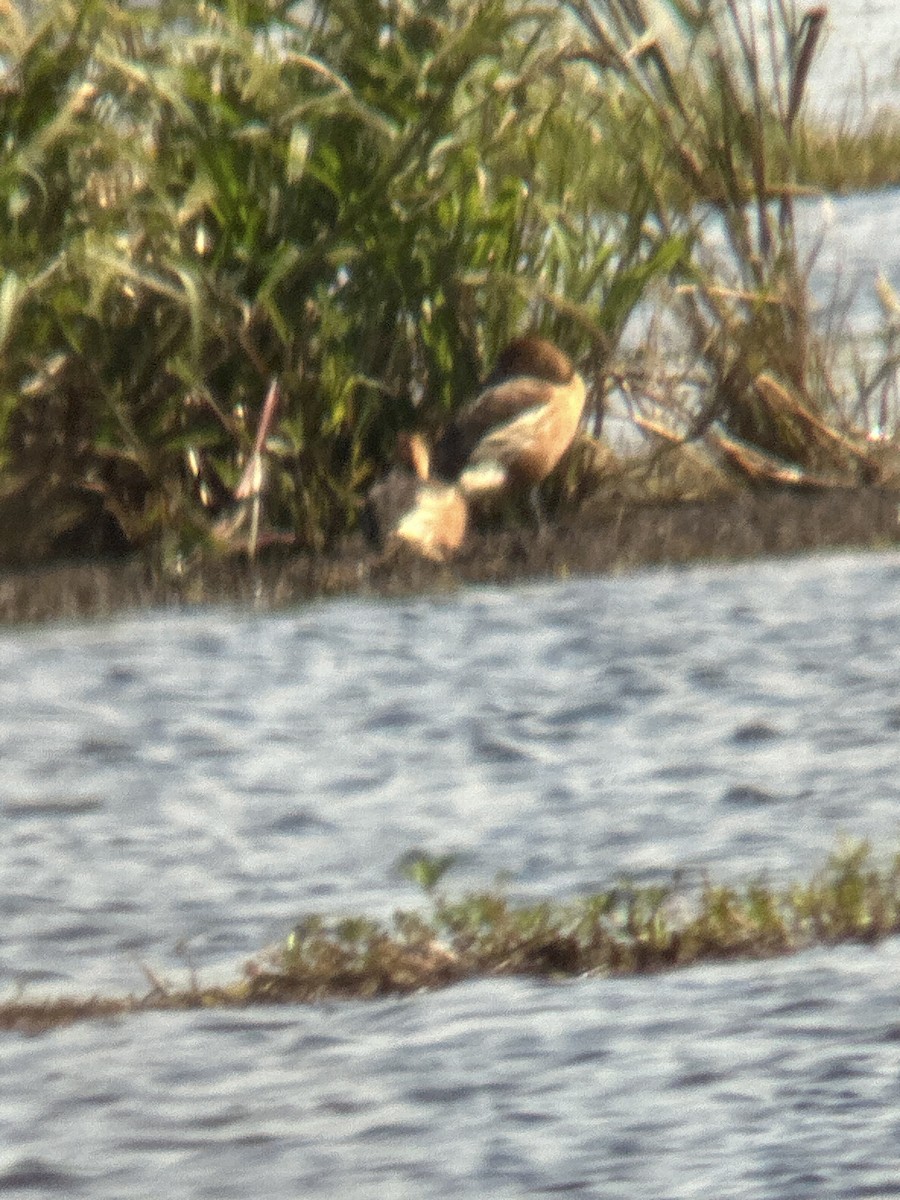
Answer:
(363, 200)
(625, 930)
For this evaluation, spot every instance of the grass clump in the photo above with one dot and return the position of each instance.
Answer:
(361, 200)
(625, 930)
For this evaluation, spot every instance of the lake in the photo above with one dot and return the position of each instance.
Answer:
(180, 788)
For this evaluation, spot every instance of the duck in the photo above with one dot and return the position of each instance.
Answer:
(408, 508)
(517, 429)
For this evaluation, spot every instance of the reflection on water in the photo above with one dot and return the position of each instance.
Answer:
(203, 779)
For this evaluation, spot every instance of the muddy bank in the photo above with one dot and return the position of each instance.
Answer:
(597, 540)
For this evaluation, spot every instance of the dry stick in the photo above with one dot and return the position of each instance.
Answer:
(757, 147)
(807, 37)
(761, 465)
(635, 26)
(778, 396)
(802, 55)
(251, 482)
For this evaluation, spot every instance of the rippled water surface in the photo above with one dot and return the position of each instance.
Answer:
(203, 779)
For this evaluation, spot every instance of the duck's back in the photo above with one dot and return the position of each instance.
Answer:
(490, 411)
(520, 425)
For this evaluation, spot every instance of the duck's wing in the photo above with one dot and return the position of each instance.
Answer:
(529, 444)
(491, 410)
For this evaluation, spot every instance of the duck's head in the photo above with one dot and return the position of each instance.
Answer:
(534, 357)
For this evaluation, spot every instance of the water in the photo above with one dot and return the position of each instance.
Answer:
(842, 240)
(743, 1081)
(192, 783)
(856, 73)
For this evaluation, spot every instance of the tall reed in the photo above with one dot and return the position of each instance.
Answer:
(717, 95)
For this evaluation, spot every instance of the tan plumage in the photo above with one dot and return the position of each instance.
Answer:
(408, 508)
(521, 424)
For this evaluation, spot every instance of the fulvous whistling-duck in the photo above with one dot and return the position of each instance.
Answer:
(519, 427)
(407, 507)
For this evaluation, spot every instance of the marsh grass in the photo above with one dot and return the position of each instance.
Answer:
(625, 930)
(363, 201)
(850, 157)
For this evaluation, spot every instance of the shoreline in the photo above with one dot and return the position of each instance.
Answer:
(600, 539)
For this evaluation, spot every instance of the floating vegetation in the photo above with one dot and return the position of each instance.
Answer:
(626, 930)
